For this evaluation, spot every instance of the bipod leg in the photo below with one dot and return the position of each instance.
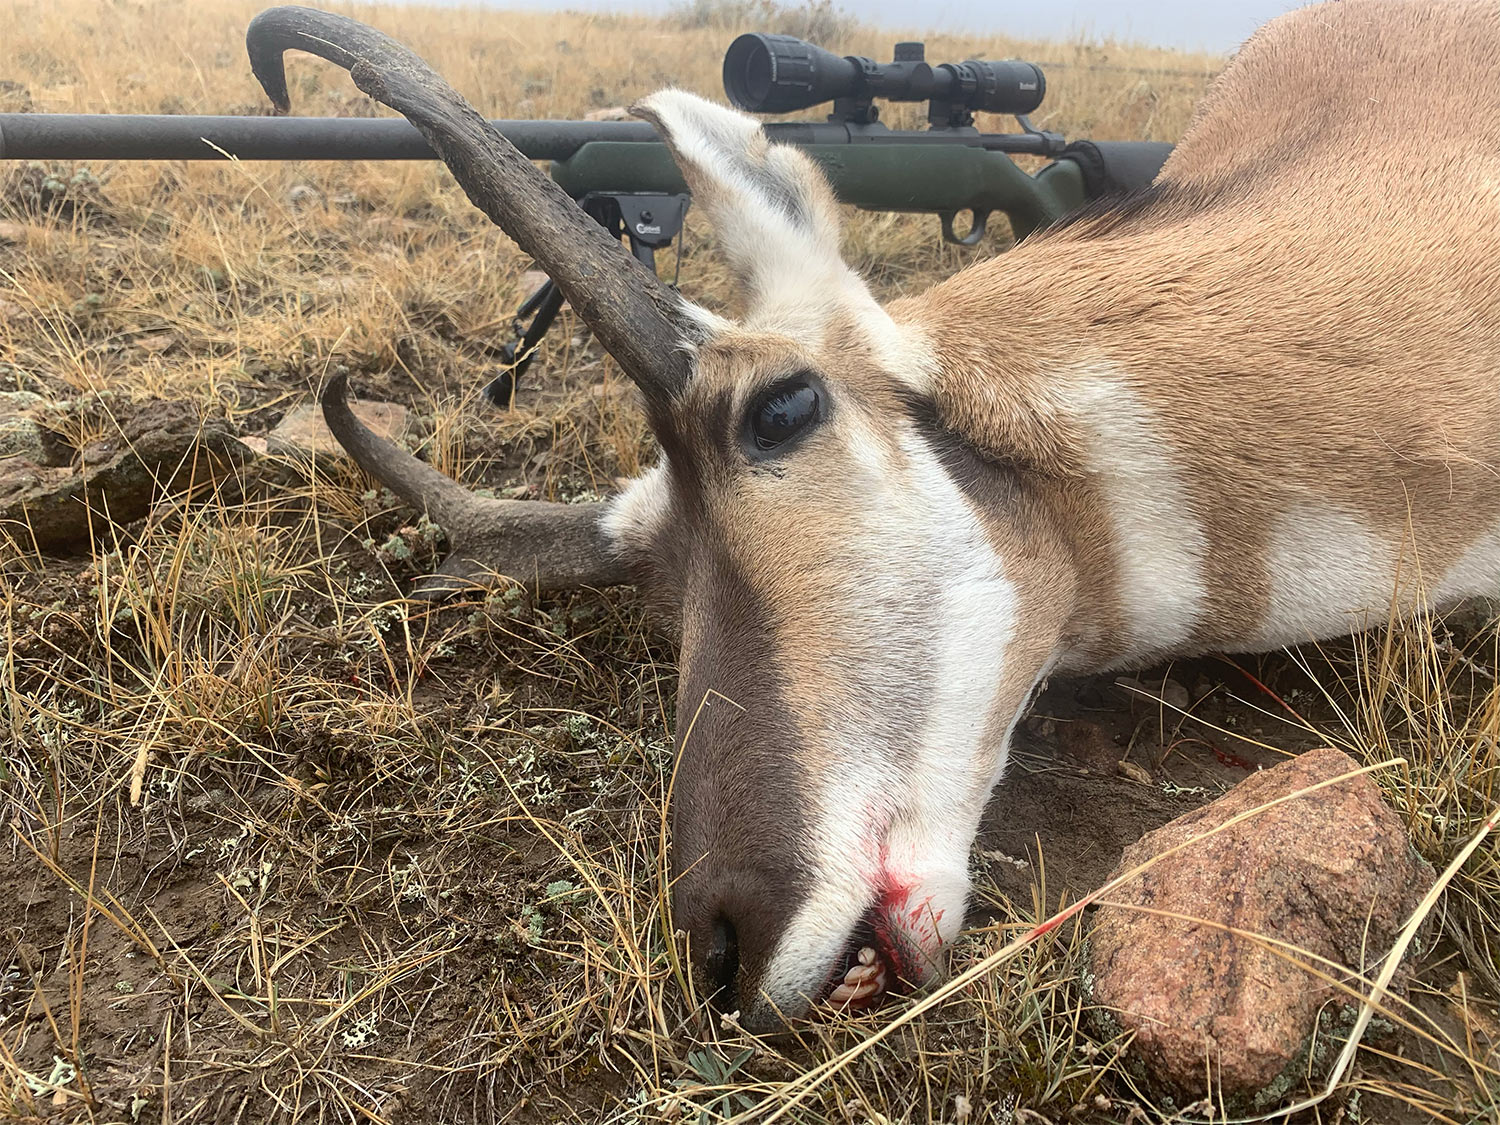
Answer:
(543, 307)
(644, 254)
(648, 221)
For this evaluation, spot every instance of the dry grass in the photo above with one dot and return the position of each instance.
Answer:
(281, 851)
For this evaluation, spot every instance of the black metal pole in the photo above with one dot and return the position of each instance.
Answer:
(85, 136)
(124, 136)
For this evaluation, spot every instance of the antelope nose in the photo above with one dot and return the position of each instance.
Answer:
(722, 964)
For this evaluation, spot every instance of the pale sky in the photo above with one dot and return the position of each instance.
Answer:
(1214, 25)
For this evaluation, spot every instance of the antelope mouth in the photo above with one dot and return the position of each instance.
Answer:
(869, 970)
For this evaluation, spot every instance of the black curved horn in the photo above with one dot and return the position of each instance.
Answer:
(637, 319)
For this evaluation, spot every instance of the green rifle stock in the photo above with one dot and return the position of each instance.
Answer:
(940, 179)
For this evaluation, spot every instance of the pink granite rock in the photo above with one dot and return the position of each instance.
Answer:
(1331, 872)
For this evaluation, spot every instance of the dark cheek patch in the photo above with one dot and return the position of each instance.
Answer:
(740, 835)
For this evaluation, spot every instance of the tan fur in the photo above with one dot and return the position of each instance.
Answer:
(1294, 334)
(1311, 304)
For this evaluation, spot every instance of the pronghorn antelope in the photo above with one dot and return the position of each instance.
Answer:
(1256, 404)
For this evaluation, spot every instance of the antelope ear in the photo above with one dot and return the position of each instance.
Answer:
(773, 209)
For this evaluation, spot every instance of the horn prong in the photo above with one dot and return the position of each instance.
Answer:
(547, 545)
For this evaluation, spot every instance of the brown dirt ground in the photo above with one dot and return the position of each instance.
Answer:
(1055, 829)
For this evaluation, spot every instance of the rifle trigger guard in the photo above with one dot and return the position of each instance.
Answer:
(976, 229)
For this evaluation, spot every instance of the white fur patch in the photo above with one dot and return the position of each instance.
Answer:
(640, 511)
(709, 323)
(1160, 545)
(975, 622)
(905, 351)
(779, 225)
(1329, 575)
(1475, 574)
(919, 802)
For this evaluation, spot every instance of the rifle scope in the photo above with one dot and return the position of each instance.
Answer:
(780, 74)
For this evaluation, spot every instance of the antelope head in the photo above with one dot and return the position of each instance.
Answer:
(864, 598)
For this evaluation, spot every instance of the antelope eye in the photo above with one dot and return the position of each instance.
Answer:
(783, 412)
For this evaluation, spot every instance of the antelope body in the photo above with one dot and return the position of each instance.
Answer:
(1257, 404)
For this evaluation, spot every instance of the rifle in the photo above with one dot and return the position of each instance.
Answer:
(622, 175)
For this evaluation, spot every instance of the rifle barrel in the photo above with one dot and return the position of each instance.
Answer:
(88, 136)
(105, 136)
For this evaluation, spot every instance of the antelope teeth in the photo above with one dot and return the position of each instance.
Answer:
(863, 983)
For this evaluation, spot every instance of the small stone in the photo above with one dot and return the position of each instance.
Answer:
(12, 233)
(1148, 693)
(299, 197)
(1134, 771)
(1330, 872)
(302, 433)
(21, 437)
(1090, 745)
(16, 402)
(30, 958)
(1041, 726)
(618, 391)
(343, 284)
